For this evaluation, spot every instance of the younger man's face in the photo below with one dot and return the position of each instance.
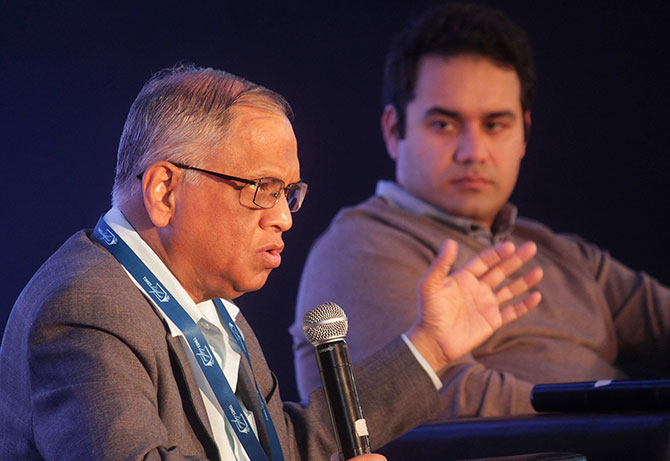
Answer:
(464, 136)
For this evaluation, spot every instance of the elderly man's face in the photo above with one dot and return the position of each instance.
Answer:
(222, 244)
(464, 136)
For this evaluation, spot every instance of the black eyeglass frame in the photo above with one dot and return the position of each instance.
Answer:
(252, 182)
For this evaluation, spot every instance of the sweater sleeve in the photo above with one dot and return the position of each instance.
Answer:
(638, 304)
(640, 308)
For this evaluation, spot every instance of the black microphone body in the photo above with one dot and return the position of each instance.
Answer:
(345, 409)
(325, 327)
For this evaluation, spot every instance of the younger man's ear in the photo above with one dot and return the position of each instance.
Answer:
(389, 124)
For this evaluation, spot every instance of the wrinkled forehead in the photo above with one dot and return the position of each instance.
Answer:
(260, 141)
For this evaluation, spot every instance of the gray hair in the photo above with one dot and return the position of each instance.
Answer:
(180, 115)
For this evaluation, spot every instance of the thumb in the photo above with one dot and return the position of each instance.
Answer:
(441, 265)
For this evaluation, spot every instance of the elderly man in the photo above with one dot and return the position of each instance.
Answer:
(126, 344)
(458, 86)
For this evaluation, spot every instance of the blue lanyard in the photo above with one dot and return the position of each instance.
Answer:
(198, 344)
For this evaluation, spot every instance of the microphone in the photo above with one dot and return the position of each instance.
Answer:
(325, 327)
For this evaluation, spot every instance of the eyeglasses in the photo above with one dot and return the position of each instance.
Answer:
(267, 191)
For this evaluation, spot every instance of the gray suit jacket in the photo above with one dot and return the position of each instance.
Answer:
(88, 370)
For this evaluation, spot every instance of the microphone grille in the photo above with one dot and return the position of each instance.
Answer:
(324, 323)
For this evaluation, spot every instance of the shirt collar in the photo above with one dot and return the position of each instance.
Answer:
(400, 198)
(118, 222)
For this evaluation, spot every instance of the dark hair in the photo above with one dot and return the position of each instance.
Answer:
(450, 30)
(180, 115)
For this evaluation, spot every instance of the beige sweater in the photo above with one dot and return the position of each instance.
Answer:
(596, 320)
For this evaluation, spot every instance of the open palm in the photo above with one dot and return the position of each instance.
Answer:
(458, 311)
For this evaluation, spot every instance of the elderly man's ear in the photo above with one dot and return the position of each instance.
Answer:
(158, 192)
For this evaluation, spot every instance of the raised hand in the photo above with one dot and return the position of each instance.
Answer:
(458, 311)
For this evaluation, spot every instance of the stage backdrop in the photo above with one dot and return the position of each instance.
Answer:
(597, 163)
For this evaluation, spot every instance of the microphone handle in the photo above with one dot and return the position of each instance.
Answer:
(346, 414)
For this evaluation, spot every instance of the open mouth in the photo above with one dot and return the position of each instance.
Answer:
(273, 256)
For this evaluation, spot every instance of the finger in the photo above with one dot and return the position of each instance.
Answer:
(519, 285)
(516, 310)
(487, 258)
(507, 266)
(441, 265)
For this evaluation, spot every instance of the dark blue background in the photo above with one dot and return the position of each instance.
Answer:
(597, 162)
